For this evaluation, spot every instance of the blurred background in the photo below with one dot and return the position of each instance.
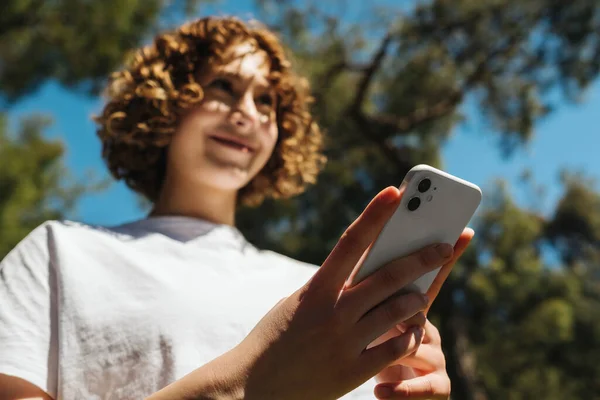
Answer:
(502, 93)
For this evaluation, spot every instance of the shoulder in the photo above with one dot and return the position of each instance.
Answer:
(80, 232)
(44, 231)
(81, 229)
(42, 240)
(33, 246)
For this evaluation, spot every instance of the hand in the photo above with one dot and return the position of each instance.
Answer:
(313, 344)
(421, 375)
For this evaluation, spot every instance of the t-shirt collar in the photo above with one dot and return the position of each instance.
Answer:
(187, 229)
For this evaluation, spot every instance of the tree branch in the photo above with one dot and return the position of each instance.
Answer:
(406, 124)
(396, 125)
(369, 73)
(378, 128)
(332, 72)
(365, 126)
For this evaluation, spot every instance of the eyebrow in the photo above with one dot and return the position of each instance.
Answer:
(263, 84)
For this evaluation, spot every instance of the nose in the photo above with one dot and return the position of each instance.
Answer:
(245, 115)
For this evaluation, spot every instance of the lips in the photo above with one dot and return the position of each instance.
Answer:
(233, 143)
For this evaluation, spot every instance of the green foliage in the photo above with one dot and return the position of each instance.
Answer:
(575, 229)
(35, 185)
(75, 42)
(527, 319)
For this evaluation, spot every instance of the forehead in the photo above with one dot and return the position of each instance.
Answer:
(246, 61)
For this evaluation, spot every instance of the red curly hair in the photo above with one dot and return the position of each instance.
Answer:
(147, 99)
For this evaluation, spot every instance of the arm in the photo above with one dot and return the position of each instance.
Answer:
(13, 388)
(28, 345)
(222, 378)
(334, 321)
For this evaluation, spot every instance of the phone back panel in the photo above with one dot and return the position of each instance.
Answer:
(445, 210)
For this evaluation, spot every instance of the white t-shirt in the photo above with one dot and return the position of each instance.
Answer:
(90, 312)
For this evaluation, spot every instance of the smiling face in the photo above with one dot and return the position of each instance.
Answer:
(228, 138)
(180, 141)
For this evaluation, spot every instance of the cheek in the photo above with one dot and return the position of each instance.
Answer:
(213, 105)
(204, 115)
(198, 122)
(181, 152)
(185, 138)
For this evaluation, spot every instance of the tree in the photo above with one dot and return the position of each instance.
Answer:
(531, 323)
(390, 89)
(75, 42)
(35, 185)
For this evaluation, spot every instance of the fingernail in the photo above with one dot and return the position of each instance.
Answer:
(444, 250)
(418, 331)
(384, 392)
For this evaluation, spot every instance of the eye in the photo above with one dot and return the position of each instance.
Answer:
(266, 100)
(222, 84)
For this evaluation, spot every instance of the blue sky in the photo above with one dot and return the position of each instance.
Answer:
(568, 138)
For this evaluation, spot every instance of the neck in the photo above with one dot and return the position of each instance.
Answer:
(205, 203)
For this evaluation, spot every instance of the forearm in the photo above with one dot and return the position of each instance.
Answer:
(221, 379)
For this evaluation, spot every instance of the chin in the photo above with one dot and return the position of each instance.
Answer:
(229, 179)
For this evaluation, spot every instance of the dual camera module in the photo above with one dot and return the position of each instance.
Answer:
(423, 187)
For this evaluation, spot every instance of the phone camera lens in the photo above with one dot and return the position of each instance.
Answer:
(424, 185)
(414, 203)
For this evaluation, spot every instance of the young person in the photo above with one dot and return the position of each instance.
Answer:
(179, 305)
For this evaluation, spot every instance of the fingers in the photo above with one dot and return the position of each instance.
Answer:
(426, 358)
(429, 356)
(378, 357)
(355, 240)
(397, 373)
(418, 319)
(428, 387)
(392, 277)
(459, 248)
(432, 334)
(388, 314)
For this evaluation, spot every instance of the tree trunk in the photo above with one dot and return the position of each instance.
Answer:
(461, 362)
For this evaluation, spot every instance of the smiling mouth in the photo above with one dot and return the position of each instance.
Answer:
(232, 144)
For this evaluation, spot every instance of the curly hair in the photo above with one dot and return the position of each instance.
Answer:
(160, 82)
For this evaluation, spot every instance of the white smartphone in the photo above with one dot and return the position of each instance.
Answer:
(435, 208)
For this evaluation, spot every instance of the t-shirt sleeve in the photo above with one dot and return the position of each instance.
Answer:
(28, 313)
